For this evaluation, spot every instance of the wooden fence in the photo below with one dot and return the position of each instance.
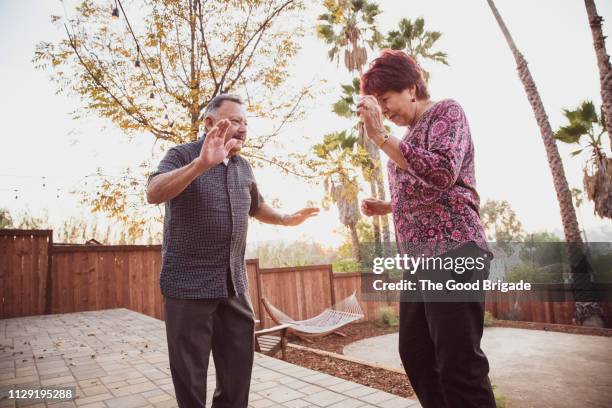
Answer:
(25, 264)
(94, 277)
(347, 283)
(300, 292)
(38, 277)
(539, 305)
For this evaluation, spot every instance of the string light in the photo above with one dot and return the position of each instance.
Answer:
(144, 59)
(137, 64)
(132, 189)
(115, 13)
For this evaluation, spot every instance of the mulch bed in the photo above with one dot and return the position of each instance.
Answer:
(375, 377)
(379, 378)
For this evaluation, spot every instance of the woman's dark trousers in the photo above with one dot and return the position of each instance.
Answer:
(439, 344)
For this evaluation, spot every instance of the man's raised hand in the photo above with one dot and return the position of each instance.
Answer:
(214, 148)
(300, 216)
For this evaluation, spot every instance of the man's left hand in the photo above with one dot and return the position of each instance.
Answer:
(300, 216)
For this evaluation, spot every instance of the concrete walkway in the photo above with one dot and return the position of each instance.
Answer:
(118, 359)
(531, 368)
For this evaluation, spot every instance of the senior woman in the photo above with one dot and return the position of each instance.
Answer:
(435, 209)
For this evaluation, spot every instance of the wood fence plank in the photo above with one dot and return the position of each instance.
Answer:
(28, 275)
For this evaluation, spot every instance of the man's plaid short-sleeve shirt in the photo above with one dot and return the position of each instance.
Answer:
(205, 227)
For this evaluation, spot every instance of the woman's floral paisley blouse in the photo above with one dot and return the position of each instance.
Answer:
(435, 203)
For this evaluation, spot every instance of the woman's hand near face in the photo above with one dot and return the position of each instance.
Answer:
(370, 112)
(374, 206)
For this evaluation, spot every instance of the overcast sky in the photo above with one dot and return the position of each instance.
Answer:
(39, 138)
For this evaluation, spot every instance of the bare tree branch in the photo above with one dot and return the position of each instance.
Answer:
(261, 28)
(137, 116)
(277, 163)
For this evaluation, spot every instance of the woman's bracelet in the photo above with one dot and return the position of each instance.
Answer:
(385, 138)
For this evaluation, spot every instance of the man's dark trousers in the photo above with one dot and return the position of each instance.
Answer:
(439, 344)
(193, 328)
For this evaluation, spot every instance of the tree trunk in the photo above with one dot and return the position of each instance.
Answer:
(603, 62)
(376, 223)
(383, 242)
(355, 242)
(578, 262)
(372, 150)
(384, 219)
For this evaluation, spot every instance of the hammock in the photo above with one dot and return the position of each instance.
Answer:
(330, 320)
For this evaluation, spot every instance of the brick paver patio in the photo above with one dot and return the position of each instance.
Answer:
(118, 359)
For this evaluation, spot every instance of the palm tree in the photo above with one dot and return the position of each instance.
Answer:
(350, 26)
(571, 229)
(603, 62)
(370, 165)
(337, 163)
(416, 41)
(344, 195)
(585, 129)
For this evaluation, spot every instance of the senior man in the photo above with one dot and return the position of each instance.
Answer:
(209, 192)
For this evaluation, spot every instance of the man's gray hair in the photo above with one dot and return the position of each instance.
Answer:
(218, 100)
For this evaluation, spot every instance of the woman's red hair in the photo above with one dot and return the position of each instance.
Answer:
(395, 71)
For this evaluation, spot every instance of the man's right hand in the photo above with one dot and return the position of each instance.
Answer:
(374, 206)
(214, 148)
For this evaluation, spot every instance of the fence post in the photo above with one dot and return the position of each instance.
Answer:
(331, 285)
(260, 307)
(49, 279)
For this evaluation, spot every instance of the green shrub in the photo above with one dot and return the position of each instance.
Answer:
(602, 267)
(388, 316)
(346, 265)
(500, 399)
(535, 274)
(488, 319)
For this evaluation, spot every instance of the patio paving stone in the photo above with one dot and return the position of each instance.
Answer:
(118, 358)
